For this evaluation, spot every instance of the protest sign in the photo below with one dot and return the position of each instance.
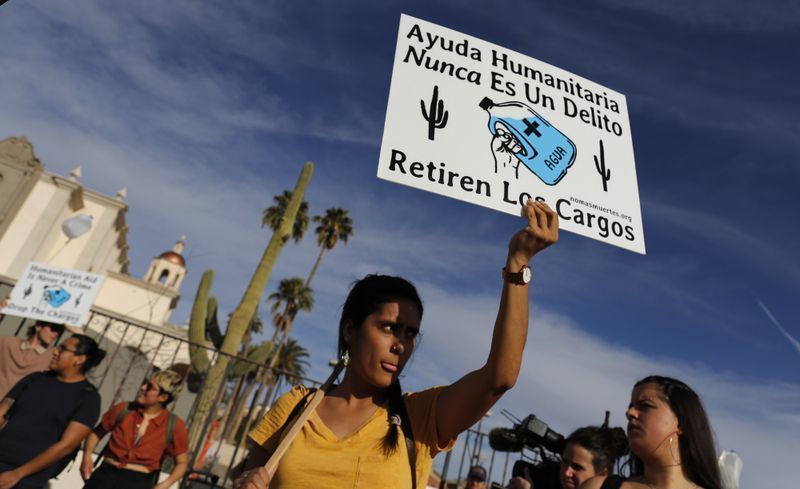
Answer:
(477, 122)
(57, 295)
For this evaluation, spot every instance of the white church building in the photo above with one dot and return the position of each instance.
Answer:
(132, 315)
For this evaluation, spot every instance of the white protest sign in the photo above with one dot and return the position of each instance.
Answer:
(58, 295)
(480, 123)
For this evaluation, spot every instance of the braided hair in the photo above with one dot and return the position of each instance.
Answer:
(365, 297)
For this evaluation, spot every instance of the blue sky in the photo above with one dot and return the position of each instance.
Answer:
(205, 111)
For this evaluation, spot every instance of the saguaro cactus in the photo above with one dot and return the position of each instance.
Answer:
(437, 116)
(243, 313)
(600, 164)
(197, 324)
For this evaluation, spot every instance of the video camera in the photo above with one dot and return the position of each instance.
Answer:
(531, 433)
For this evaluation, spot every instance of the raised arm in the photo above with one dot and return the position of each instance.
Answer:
(463, 403)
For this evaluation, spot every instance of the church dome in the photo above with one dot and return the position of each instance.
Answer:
(173, 257)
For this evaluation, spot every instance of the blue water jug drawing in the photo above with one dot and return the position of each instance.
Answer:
(56, 296)
(521, 131)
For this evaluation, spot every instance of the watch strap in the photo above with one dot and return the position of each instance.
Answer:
(517, 278)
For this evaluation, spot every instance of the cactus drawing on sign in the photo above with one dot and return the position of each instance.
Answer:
(435, 115)
(600, 164)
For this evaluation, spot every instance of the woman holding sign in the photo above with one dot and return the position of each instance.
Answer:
(364, 432)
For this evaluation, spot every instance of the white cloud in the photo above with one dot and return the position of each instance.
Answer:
(170, 133)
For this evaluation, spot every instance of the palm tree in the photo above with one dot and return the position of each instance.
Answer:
(294, 296)
(243, 314)
(242, 372)
(272, 215)
(292, 361)
(247, 375)
(290, 366)
(334, 226)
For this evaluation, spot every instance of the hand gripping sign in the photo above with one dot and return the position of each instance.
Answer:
(519, 130)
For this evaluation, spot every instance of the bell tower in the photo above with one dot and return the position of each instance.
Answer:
(169, 268)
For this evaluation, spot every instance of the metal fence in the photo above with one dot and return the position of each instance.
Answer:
(135, 349)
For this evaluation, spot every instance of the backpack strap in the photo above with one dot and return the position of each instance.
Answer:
(170, 429)
(298, 408)
(171, 419)
(405, 425)
(87, 391)
(25, 384)
(121, 416)
(117, 421)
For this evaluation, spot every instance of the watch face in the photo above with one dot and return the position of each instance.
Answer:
(526, 274)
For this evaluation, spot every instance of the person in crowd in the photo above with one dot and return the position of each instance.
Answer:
(670, 439)
(47, 416)
(143, 433)
(476, 478)
(22, 356)
(588, 452)
(365, 432)
(591, 451)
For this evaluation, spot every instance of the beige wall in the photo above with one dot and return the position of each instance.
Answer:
(148, 303)
(32, 232)
(19, 172)
(35, 234)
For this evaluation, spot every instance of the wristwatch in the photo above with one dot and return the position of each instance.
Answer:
(523, 277)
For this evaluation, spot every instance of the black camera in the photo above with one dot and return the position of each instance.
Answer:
(531, 433)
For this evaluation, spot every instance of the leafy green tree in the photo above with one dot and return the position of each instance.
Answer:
(334, 226)
(290, 367)
(292, 296)
(239, 372)
(243, 314)
(272, 215)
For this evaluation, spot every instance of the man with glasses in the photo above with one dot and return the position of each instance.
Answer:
(22, 356)
(143, 433)
(47, 416)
